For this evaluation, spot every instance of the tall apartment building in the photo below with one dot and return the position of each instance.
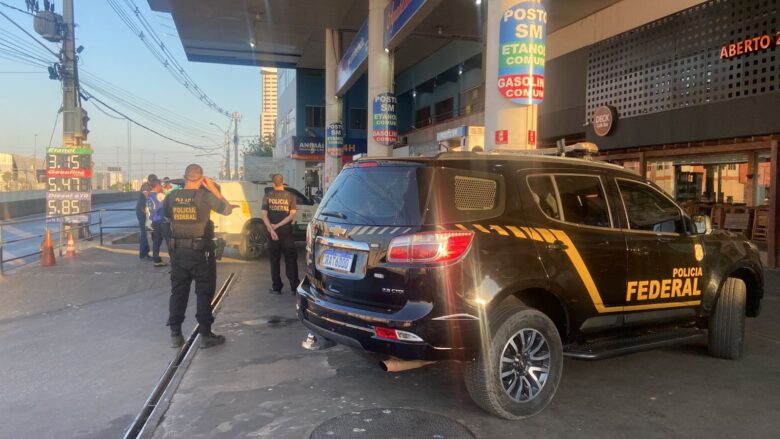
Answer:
(268, 111)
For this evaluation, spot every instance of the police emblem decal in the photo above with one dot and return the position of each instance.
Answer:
(698, 252)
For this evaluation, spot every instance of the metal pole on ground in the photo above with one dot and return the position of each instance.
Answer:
(1, 250)
(100, 221)
(59, 237)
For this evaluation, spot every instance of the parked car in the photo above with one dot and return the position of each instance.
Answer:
(511, 262)
(244, 229)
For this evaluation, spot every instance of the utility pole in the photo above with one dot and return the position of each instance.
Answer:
(129, 157)
(236, 119)
(74, 117)
(227, 154)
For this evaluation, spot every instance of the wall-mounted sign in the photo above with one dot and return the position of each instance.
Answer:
(452, 133)
(353, 61)
(313, 148)
(502, 137)
(750, 45)
(532, 137)
(385, 123)
(398, 14)
(604, 120)
(114, 169)
(69, 182)
(522, 50)
(334, 139)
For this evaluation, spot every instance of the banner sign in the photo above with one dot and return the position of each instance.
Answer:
(385, 123)
(61, 150)
(522, 50)
(334, 139)
(313, 148)
(354, 58)
(69, 173)
(398, 13)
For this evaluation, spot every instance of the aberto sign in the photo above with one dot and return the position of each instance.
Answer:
(750, 45)
(522, 52)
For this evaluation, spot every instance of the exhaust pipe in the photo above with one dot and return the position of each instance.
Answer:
(393, 364)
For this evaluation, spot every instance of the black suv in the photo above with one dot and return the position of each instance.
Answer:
(510, 262)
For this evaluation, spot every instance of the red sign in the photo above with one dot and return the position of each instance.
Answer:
(531, 137)
(528, 89)
(749, 45)
(68, 173)
(502, 137)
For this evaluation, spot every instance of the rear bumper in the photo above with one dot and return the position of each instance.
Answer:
(444, 339)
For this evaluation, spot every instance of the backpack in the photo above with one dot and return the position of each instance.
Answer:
(155, 203)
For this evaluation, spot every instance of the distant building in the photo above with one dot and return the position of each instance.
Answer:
(268, 108)
(19, 173)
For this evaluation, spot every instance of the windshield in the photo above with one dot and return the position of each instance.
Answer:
(381, 196)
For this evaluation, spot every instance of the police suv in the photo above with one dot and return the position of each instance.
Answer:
(510, 262)
(244, 229)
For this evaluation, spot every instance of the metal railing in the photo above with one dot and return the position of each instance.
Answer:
(82, 232)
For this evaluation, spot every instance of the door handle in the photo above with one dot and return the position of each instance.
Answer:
(557, 246)
(639, 251)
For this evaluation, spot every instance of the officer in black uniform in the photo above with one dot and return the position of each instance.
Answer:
(192, 241)
(278, 211)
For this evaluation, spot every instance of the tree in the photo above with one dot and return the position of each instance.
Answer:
(260, 147)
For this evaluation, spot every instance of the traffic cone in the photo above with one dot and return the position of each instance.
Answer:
(70, 249)
(47, 251)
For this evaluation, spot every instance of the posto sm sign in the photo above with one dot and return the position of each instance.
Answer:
(522, 52)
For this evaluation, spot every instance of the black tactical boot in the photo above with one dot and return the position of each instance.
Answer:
(211, 339)
(177, 340)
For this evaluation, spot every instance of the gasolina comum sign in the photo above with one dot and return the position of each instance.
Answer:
(522, 51)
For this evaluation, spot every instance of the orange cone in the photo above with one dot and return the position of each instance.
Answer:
(70, 249)
(47, 251)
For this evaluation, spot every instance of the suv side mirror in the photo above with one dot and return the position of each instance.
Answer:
(702, 223)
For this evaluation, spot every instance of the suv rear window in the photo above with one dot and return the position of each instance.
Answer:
(414, 195)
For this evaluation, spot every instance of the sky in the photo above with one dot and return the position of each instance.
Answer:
(112, 53)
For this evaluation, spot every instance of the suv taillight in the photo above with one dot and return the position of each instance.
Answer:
(430, 247)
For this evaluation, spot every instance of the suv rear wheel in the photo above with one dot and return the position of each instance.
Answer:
(252, 245)
(727, 322)
(518, 371)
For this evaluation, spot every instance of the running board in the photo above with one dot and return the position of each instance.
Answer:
(601, 349)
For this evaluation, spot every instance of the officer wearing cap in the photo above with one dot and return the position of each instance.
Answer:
(192, 235)
(278, 212)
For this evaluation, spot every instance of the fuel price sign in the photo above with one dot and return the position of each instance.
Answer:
(69, 182)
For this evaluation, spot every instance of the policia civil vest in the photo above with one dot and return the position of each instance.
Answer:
(188, 210)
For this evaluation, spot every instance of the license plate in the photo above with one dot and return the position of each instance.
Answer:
(337, 260)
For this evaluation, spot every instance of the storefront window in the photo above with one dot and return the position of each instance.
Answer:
(708, 179)
(762, 180)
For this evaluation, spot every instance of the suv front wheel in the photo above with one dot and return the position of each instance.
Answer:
(727, 322)
(519, 368)
(252, 245)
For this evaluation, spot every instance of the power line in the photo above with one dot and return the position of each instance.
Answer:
(88, 96)
(159, 50)
(54, 128)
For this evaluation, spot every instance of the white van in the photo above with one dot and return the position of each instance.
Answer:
(244, 229)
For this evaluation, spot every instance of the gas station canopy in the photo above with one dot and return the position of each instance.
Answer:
(290, 34)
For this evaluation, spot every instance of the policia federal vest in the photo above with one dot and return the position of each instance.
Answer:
(189, 215)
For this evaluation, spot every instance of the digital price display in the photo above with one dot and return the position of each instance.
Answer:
(69, 182)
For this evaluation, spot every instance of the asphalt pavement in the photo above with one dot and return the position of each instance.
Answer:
(82, 344)
(262, 384)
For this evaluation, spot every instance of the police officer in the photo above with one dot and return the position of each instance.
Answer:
(278, 211)
(192, 232)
